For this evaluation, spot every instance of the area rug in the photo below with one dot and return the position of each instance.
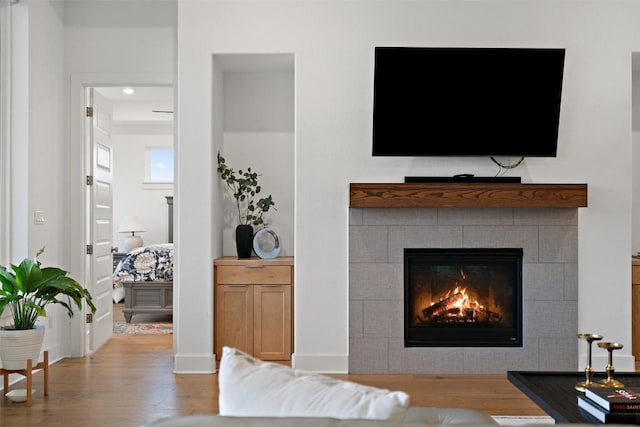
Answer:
(519, 420)
(142, 328)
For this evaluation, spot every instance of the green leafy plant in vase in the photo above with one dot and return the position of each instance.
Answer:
(27, 289)
(244, 187)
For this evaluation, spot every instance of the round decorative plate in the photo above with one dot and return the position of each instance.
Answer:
(266, 243)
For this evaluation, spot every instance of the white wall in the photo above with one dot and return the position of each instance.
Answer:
(259, 100)
(258, 121)
(636, 195)
(131, 195)
(18, 152)
(37, 149)
(333, 44)
(271, 155)
(635, 100)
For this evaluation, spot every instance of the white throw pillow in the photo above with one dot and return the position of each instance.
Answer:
(251, 387)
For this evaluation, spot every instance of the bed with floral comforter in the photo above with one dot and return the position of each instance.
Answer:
(144, 272)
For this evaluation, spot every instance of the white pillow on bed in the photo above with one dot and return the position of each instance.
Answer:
(251, 387)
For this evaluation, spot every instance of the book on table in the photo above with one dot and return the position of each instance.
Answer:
(616, 399)
(605, 416)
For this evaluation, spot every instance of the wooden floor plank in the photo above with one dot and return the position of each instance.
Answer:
(130, 381)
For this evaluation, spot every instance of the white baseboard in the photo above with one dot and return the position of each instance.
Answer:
(194, 364)
(321, 363)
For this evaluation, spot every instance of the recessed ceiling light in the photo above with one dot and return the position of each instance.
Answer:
(129, 90)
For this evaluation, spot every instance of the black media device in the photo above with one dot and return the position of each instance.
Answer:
(455, 101)
(464, 178)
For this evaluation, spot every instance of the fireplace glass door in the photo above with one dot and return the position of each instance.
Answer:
(463, 297)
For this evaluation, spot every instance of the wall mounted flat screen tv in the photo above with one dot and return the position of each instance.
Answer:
(436, 101)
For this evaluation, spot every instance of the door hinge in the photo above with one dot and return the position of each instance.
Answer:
(89, 179)
(89, 112)
(89, 317)
(89, 249)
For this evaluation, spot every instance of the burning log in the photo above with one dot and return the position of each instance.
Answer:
(451, 315)
(442, 306)
(489, 316)
(457, 308)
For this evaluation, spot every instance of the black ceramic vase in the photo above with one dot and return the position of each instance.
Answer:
(244, 240)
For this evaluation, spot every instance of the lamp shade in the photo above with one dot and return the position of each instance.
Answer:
(131, 224)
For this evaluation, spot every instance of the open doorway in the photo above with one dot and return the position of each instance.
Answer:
(142, 135)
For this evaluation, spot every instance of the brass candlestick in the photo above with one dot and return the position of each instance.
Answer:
(588, 370)
(610, 382)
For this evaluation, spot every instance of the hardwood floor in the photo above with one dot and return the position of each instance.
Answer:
(130, 381)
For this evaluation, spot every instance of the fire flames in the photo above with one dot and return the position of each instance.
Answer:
(458, 305)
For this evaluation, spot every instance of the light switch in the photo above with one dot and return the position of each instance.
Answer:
(38, 218)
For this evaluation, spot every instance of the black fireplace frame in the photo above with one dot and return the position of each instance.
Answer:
(465, 336)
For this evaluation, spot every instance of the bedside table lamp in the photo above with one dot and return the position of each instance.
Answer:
(131, 224)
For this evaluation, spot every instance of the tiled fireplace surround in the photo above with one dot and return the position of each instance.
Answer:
(377, 237)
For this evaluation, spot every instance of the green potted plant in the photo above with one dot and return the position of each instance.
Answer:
(245, 189)
(27, 290)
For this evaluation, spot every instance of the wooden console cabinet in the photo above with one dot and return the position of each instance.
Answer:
(253, 306)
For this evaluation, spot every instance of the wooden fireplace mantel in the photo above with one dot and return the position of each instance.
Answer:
(467, 195)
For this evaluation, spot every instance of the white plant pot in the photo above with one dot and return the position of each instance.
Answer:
(17, 346)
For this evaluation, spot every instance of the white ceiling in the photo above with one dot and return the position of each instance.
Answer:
(143, 93)
(148, 103)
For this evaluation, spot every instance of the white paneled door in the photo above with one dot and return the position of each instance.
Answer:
(101, 218)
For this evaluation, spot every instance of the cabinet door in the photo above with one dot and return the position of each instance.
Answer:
(234, 318)
(272, 320)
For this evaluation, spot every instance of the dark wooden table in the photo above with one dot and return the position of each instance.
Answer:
(555, 394)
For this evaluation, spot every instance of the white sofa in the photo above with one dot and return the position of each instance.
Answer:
(416, 416)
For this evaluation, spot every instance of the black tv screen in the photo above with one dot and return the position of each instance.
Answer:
(441, 101)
